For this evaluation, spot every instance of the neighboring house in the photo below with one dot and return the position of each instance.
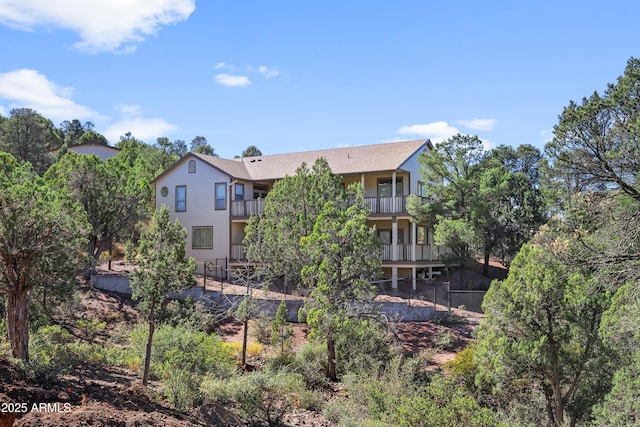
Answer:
(100, 150)
(213, 198)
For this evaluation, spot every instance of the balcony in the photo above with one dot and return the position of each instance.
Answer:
(388, 205)
(376, 205)
(423, 252)
(246, 208)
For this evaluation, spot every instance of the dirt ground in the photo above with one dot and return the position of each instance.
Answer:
(111, 396)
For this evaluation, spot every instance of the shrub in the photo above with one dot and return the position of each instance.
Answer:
(190, 314)
(266, 397)
(445, 340)
(373, 397)
(186, 348)
(254, 349)
(48, 357)
(90, 328)
(311, 363)
(362, 346)
(286, 360)
(463, 367)
(261, 330)
(182, 389)
(215, 389)
(448, 319)
(180, 357)
(442, 404)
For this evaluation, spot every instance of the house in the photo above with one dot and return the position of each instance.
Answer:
(100, 150)
(214, 198)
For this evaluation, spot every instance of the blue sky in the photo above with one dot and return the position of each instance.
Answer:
(293, 76)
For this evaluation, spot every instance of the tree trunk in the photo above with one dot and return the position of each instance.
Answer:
(245, 333)
(331, 358)
(462, 275)
(485, 268)
(17, 323)
(147, 356)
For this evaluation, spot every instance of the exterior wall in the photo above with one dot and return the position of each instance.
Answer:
(371, 183)
(412, 166)
(200, 206)
(350, 179)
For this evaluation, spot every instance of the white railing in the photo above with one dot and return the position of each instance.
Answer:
(245, 208)
(423, 252)
(237, 252)
(382, 205)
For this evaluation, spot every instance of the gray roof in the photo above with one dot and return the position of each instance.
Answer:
(388, 156)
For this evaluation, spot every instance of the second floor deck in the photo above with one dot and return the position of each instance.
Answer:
(404, 252)
(376, 205)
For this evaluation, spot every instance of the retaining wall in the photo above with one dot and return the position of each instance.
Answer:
(212, 298)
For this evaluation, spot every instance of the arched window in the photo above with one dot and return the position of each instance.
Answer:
(192, 166)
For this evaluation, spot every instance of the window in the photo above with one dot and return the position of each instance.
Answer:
(384, 187)
(239, 192)
(421, 235)
(422, 190)
(181, 198)
(192, 166)
(202, 238)
(385, 236)
(221, 195)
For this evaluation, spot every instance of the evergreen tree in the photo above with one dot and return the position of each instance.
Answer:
(162, 268)
(41, 235)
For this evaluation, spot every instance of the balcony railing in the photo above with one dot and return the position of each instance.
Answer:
(388, 205)
(237, 253)
(423, 252)
(246, 208)
(384, 205)
(376, 205)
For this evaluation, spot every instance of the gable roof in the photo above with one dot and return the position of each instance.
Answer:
(388, 156)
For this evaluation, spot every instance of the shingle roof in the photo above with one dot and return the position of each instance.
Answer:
(348, 160)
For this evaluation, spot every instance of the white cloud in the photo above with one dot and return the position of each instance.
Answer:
(435, 131)
(130, 110)
(102, 25)
(147, 130)
(236, 80)
(27, 88)
(268, 72)
(232, 80)
(478, 124)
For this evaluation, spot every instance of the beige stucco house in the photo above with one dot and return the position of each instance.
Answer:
(214, 198)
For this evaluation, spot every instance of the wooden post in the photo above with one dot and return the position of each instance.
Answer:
(449, 295)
